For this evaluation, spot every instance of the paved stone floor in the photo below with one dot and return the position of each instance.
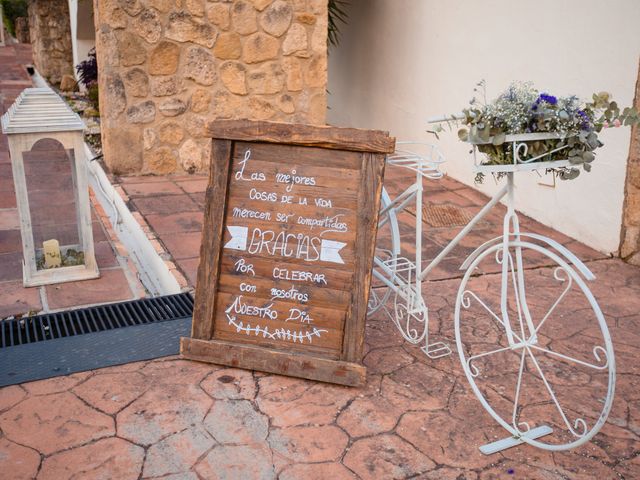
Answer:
(415, 418)
(118, 279)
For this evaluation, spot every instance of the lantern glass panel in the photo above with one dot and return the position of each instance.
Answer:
(53, 205)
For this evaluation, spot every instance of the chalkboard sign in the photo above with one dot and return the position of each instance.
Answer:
(289, 233)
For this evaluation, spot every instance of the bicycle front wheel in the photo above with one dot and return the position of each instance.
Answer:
(556, 366)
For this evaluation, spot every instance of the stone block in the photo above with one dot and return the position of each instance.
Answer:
(200, 101)
(319, 36)
(130, 49)
(260, 47)
(293, 73)
(196, 126)
(261, 4)
(122, 150)
(227, 105)
(144, 112)
(286, 104)
(149, 138)
(22, 30)
(228, 46)
(244, 18)
(233, 76)
(68, 84)
(112, 15)
(306, 18)
(219, 14)
(114, 95)
(164, 59)
(296, 41)
(136, 82)
(172, 107)
(316, 72)
(317, 109)
(132, 7)
(171, 133)
(164, 86)
(260, 109)
(200, 66)
(163, 6)
(147, 25)
(276, 19)
(195, 7)
(161, 161)
(194, 156)
(267, 79)
(183, 27)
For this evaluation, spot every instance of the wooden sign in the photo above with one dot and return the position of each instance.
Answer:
(289, 233)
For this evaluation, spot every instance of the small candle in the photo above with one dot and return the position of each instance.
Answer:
(52, 257)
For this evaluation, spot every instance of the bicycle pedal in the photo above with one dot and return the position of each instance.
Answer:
(436, 350)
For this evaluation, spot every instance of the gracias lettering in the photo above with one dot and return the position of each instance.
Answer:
(284, 244)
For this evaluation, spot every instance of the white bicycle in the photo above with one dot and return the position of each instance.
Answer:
(533, 342)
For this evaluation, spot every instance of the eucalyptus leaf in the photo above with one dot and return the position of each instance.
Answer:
(587, 167)
(569, 174)
(588, 157)
(499, 138)
(463, 134)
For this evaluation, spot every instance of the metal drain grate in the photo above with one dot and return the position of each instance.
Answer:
(94, 319)
(445, 215)
(55, 344)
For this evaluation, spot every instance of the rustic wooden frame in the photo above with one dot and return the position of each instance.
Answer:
(201, 346)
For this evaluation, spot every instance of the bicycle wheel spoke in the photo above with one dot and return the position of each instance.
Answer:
(578, 421)
(516, 293)
(467, 304)
(596, 349)
(557, 302)
(473, 368)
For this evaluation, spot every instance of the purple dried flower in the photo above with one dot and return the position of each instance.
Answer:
(550, 99)
(585, 124)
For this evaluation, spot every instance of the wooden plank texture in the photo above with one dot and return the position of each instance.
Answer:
(256, 358)
(210, 250)
(307, 135)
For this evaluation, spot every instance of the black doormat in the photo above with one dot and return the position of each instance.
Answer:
(50, 345)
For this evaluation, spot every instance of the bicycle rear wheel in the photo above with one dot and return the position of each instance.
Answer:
(387, 249)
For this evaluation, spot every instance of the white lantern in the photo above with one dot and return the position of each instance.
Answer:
(50, 176)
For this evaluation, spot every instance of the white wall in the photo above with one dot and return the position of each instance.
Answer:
(83, 36)
(403, 61)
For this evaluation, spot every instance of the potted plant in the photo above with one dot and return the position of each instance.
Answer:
(524, 126)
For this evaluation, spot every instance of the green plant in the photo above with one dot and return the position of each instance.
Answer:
(12, 10)
(337, 15)
(92, 93)
(572, 125)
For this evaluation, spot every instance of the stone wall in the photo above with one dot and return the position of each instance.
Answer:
(50, 35)
(22, 30)
(168, 67)
(630, 235)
